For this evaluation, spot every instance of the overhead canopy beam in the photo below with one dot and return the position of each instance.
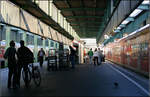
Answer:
(80, 9)
(70, 17)
(78, 22)
(88, 30)
(84, 26)
(37, 12)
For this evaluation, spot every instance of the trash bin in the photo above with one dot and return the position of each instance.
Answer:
(2, 64)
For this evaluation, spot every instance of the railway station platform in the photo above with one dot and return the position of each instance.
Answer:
(84, 80)
(64, 32)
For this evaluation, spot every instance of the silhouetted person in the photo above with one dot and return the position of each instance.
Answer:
(100, 56)
(72, 56)
(25, 56)
(12, 64)
(41, 55)
(96, 54)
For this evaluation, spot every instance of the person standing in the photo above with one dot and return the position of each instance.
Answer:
(100, 56)
(25, 56)
(96, 55)
(12, 64)
(72, 56)
(41, 55)
(90, 54)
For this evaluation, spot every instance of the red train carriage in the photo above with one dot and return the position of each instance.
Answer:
(2, 50)
(132, 51)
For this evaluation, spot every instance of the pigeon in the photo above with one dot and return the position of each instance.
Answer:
(116, 84)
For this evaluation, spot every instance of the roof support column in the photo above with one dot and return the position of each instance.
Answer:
(44, 47)
(8, 30)
(35, 51)
(51, 2)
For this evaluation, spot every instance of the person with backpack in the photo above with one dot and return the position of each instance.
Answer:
(25, 56)
(90, 54)
(12, 64)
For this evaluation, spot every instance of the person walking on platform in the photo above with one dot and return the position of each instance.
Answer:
(100, 56)
(90, 54)
(41, 55)
(12, 64)
(72, 56)
(96, 55)
(25, 56)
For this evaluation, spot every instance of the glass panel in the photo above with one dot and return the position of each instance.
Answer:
(46, 42)
(52, 44)
(30, 39)
(39, 42)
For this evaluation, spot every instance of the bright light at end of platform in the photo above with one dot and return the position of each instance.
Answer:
(135, 12)
(146, 2)
(125, 22)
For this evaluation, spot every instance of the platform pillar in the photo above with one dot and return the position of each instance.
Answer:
(35, 47)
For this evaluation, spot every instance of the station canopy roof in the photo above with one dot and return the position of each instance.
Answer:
(85, 16)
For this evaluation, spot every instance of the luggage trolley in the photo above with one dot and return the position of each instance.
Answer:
(52, 60)
(66, 61)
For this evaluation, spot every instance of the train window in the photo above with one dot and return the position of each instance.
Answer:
(135, 50)
(144, 49)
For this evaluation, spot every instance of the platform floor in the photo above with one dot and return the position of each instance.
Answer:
(84, 80)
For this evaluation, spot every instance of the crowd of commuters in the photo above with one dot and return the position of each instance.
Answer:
(18, 59)
(96, 57)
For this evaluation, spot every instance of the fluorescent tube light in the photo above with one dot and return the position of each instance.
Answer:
(125, 22)
(136, 31)
(135, 12)
(146, 2)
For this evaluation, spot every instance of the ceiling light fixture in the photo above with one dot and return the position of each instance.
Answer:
(146, 2)
(135, 12)
(125, 22)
